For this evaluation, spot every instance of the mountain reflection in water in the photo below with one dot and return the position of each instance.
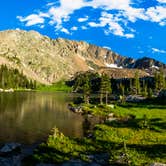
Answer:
(28, 117)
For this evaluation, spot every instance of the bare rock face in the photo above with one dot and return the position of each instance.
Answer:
(46, 60)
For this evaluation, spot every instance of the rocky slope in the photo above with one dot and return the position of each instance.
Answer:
(47, 60)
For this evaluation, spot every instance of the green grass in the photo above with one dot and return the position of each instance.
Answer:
(136, 137)
(151, 111)
(59, 86)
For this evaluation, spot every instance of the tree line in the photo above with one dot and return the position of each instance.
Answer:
(91, 83)
(12, 78)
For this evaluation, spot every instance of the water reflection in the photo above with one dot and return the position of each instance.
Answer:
(28, 117)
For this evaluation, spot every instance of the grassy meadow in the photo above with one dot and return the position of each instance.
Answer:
(135, 136)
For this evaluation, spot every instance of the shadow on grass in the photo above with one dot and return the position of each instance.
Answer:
(130, 105)
(155, 124)
(151, 151)
(149, 104)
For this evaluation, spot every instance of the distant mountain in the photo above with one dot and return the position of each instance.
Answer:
(47, 60)
(147, 63)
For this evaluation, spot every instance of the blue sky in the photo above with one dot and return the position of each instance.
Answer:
(133, 28)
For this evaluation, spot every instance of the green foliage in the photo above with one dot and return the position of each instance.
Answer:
(150, 93)
(144, 89)
(105, 88)
(83, 84)
(136, 137)
(59, 86)
(60, 148)
(137, 83)
(12, 78)
(160, 80)
(86, 89)
(104, 85)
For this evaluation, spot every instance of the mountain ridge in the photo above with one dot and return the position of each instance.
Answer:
(49, 60)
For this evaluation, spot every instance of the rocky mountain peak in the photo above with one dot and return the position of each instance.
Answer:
(47, 60)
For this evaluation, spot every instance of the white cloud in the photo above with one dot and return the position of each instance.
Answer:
(115, 15)
(83, 19)
(157, 14)
(84, 27)
(156, 50)
(64, 30)
(74, 28)
(113, 26)
(62, 13)
(133, 14)
(110, 4)
(162, 1)
(50, 4)
(32, 19)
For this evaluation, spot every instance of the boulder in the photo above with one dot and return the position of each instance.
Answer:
(111, 115)
(162, 94)
(9, 90)
(135, 98)
(79, 163)
(157, 164)
(44, 164)
(10, 161)
(111, 105)
(9, 147)
(76, 109)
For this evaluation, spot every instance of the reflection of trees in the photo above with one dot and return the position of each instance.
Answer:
(30, 116)
(10, 101)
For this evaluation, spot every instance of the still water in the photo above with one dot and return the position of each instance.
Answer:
(28, 117)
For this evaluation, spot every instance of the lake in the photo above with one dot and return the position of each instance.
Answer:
(28, 117)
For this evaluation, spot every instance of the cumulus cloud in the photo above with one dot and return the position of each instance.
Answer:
(162, 1)
(32, 19)
(84, 27)
(83, 19)
(157, 14)
(156, 50)
(114, 18)
(74, 28)
(64, 30)
(113, 26)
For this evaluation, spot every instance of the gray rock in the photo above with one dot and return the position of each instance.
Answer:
(79, 163)
(134, 98)
(75, 109)
(74, 163)
(111, 105)
(10, 161)
(101, 159)
(43, 164)
(157, 164)
(9, 147)
(162, 94)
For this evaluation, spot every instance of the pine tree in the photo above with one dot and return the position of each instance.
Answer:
(86, 89)
(137, 83)
(150, 93)
(105, 88)
(156, 81)
(122, 89)
(144, 89)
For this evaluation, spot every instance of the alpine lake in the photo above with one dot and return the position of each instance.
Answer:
(29, 117)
